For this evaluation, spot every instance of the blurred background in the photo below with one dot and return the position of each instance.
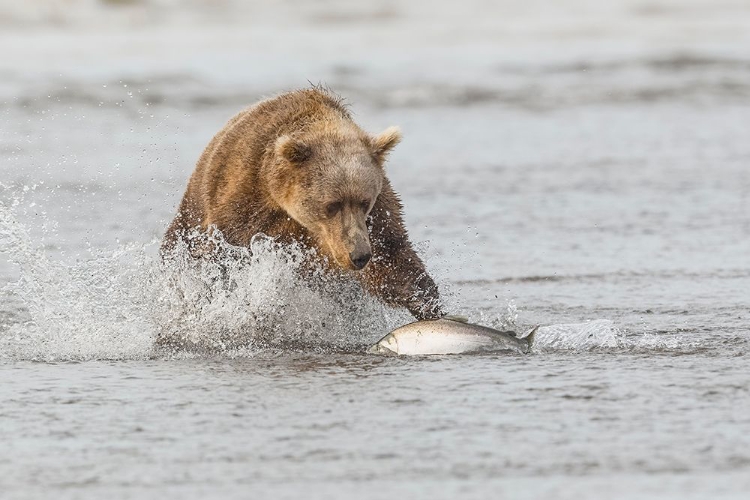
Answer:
(542, 138)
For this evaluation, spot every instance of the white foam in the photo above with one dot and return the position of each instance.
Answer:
(116, 305)
(76, 312)
(593, 334)
(262, 299)
(128, 304)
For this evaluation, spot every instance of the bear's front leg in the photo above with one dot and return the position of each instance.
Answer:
(425, 302)
(397, 276)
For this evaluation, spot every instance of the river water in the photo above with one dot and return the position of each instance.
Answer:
(586, 169)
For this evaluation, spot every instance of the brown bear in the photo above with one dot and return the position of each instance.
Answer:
(297, 168)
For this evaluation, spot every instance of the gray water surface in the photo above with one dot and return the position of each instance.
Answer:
(588, 172)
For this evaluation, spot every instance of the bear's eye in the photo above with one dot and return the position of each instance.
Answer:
(333, 208)
(365, 205)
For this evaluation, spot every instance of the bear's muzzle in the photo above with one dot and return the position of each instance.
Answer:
(360, 260)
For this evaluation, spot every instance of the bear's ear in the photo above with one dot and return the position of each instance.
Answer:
(384, 142)
(292, 150)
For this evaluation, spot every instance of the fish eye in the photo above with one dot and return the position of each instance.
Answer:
(333, 208)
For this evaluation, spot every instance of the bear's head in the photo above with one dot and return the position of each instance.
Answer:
(327, 179)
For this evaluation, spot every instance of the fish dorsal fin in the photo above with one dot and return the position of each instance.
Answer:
(456, 318)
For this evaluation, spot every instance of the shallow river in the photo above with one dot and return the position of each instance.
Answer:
(595, 181)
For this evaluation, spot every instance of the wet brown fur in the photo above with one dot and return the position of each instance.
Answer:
(258, 171)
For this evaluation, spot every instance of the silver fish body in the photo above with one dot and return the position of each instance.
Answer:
(445, 336)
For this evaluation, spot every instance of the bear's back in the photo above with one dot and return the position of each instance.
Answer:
(239, 148)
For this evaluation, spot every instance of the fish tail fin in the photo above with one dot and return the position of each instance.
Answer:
(529, 338)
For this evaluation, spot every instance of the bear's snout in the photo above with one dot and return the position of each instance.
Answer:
(360, 260)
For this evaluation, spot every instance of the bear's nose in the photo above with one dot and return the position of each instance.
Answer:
(360, 260)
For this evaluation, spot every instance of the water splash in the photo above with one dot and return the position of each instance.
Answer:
(76, 312)
(605, 335)
(265, 296)
(128, 304)
(589, 335)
